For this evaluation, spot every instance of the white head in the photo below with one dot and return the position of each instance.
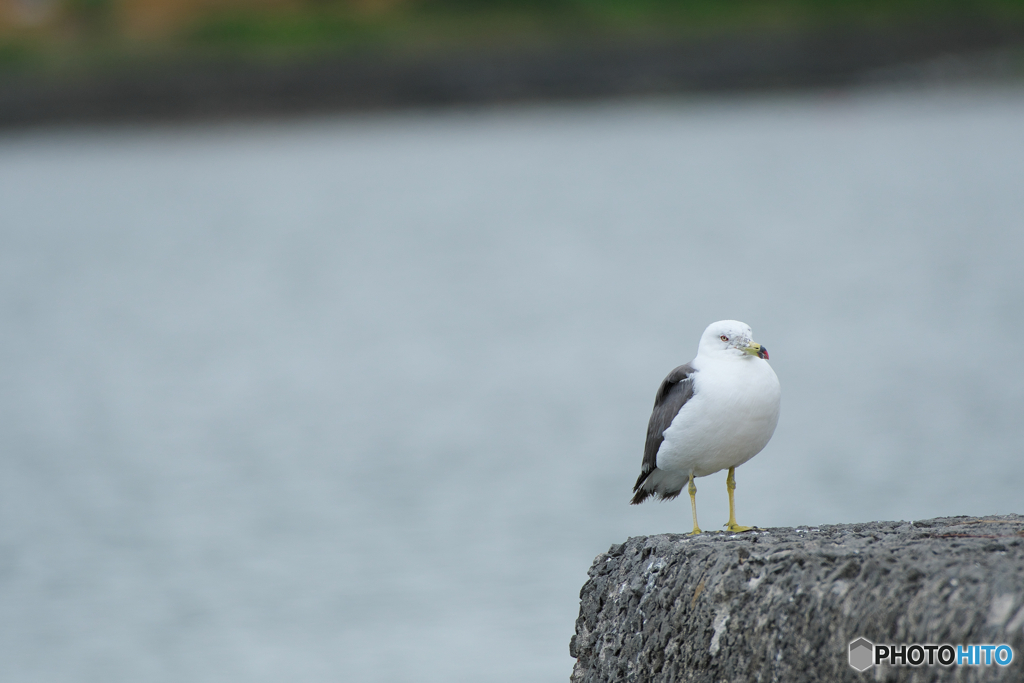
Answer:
(730, 337)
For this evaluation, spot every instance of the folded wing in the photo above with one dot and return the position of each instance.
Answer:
(672, 395)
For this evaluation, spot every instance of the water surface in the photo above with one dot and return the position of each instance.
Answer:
(360, 399)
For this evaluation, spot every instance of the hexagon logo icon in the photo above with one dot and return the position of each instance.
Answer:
(862, 653)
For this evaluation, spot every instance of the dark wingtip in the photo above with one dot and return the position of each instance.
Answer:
(641, 494)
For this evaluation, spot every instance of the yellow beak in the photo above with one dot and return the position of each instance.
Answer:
(755, 349)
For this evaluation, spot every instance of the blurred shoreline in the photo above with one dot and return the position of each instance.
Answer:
(209, 88)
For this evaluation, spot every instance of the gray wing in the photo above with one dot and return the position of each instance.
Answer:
(672, 395)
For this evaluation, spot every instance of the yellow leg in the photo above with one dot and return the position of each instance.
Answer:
(693, 506)
(730, 484)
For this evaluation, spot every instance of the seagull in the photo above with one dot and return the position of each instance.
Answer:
(716, 412)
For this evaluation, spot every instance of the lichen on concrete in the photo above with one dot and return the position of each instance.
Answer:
(785, 604)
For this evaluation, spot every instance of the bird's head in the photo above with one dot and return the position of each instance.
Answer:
(730, 337)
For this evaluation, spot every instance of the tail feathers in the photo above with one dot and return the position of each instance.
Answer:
(647, 486)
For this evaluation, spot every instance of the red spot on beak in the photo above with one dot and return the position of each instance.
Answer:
(763, 353)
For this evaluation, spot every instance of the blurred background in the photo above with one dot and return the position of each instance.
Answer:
(330, 330)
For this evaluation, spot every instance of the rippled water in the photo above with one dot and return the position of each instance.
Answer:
(360, 399)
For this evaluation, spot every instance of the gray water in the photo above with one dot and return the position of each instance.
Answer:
(360, 399)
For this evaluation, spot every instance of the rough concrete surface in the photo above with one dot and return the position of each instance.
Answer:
(784, 604)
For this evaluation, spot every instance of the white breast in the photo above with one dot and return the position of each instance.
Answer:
(730, 418)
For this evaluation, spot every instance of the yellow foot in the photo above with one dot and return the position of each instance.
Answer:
(736, 528)
(696, 530)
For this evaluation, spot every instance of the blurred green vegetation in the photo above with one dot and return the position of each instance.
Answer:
(471, 23)
(87, 33)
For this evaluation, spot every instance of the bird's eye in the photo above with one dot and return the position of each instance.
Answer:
(724, 338)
